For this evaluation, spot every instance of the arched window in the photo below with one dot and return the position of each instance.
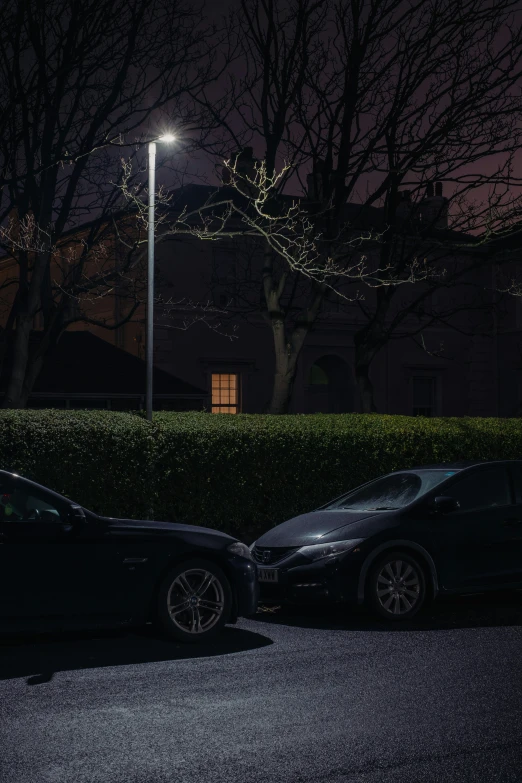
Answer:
(318, 377)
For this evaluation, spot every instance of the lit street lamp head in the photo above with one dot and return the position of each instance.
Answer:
(168, 137)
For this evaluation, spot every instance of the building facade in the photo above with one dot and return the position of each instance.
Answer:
(212, 337)
(470, 366)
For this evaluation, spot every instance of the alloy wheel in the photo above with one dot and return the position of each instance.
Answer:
(398, 587)
(195, 601)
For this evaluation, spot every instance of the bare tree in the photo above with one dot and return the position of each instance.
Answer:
(79, 79)
(364, 99)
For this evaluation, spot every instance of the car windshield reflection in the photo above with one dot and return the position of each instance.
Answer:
(391, 492)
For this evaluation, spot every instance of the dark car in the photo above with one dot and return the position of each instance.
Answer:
(61, 564)
(404, 538)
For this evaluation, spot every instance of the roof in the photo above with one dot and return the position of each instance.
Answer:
(460, 465)
(82, 363)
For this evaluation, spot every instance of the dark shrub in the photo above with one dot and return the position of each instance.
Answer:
(241, 474)
(101, 459)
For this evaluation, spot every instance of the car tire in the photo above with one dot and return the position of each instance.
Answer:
(194, 601)
(396, 586)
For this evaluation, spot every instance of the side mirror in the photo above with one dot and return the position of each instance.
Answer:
(444, 505)
(76, 514)
(47, 516)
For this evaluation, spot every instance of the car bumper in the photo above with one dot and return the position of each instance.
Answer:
(332, 581)
(243, 574)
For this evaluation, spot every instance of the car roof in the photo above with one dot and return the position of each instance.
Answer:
(461, 464)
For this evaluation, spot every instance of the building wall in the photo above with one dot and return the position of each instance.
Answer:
(200, 330)
(107, 305)
(468, 377)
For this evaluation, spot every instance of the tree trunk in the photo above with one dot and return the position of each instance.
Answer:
(27, 363)
(284, 376)
(14, 393)
(33, 370)
(367, 344)
(365, 386)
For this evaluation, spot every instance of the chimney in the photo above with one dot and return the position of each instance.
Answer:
(433, 209)
(245, 164)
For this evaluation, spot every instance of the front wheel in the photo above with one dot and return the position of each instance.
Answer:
(194, 601)
(396, 586)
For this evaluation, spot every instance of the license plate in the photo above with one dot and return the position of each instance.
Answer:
(268, 574)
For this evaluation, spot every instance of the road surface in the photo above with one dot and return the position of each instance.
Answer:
(307, 697)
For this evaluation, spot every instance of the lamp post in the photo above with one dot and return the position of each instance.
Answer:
(149, 341)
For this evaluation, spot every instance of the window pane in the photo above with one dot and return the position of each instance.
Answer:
(19, 503)
(318, 377)
(484, 489)
(225, 396)
(423, 396)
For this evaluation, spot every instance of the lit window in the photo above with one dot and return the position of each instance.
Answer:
(225, 392)
(424, 396)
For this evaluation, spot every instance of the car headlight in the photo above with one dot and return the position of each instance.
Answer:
(240, 549)
(319, 551)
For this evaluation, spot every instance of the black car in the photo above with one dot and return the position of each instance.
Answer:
(62, 565)
(400, 540)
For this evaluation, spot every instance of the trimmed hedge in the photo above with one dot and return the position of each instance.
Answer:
(247, 473)
(100, 459)
(241, 474)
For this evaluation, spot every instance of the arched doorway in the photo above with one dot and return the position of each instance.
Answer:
(329, 388)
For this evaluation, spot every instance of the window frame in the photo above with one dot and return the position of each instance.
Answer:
(236, 405)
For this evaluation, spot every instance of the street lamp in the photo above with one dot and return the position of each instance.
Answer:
(149, 341)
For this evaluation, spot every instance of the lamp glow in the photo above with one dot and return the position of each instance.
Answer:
(167, 137)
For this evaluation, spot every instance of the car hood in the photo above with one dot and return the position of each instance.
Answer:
(318, 526)
(145, 526)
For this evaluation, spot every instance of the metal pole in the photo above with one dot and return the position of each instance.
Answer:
(150, 282)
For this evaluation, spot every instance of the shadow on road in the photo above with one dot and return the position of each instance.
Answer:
(477, 611)
(39, 657)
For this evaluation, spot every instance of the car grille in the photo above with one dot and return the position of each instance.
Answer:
(272, 555)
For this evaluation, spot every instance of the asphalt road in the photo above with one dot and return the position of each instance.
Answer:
(303, 698)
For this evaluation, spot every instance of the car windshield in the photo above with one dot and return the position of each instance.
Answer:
(393, 491)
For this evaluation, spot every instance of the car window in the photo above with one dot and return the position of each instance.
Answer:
(19, 502)
(482, 489)
(395, 490)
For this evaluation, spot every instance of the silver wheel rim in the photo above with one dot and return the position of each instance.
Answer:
(398, 587)
(195, 601)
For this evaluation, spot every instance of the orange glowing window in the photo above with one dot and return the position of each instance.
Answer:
(225, 392)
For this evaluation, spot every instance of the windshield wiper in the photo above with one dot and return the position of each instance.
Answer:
(382, 508)
(373, 508)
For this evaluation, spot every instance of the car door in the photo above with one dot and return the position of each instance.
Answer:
(480, 539)
(52, 565)
(34, 531)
